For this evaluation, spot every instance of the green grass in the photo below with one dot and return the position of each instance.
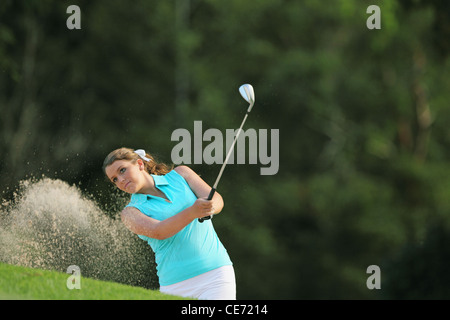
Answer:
(20, 283)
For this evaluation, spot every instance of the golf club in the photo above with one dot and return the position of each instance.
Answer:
(246, 91)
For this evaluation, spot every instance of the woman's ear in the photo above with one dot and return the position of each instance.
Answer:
(140, 164)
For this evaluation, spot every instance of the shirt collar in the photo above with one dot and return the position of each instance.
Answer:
(160, 180)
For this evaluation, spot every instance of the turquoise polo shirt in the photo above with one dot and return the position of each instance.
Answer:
(195, 249)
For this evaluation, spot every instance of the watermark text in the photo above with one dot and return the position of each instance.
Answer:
(190, 150)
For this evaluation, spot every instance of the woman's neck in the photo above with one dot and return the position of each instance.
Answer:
(150, 188)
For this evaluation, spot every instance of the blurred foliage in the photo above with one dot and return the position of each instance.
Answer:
(363, 118)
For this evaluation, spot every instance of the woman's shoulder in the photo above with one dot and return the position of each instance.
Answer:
(135, 199)
(184, 171)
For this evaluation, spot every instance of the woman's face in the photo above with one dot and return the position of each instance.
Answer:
(126, 175)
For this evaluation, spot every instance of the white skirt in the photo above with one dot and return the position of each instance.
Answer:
(217, 284)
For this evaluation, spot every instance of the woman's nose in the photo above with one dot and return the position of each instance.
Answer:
(121, 180)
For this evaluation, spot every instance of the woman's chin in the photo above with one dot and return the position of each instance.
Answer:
(129, 189)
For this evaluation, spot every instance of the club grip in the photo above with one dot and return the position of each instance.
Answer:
(211, 195)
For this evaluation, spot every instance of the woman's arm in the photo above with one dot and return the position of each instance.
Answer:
(200, 188)
(139, 223)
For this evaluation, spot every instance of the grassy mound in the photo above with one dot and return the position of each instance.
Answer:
(36, 284)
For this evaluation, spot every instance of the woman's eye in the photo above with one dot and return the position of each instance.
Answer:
(122, 170)
(114, 180)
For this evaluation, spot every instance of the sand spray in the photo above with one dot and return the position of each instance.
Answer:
(52, 225)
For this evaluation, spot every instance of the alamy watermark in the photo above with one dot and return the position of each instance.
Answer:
(190, 150)
(374, 280)
(374, 21)
(262, 149)
(74, 281)
(74, 20)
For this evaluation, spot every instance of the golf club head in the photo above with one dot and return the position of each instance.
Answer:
(246, 91)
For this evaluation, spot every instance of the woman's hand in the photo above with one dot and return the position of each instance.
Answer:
(203, 207)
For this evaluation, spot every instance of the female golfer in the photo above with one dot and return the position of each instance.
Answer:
(164, 209)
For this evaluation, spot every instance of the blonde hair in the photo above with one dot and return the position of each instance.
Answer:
(152, 166)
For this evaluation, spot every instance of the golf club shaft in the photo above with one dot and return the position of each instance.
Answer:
(213, 190)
